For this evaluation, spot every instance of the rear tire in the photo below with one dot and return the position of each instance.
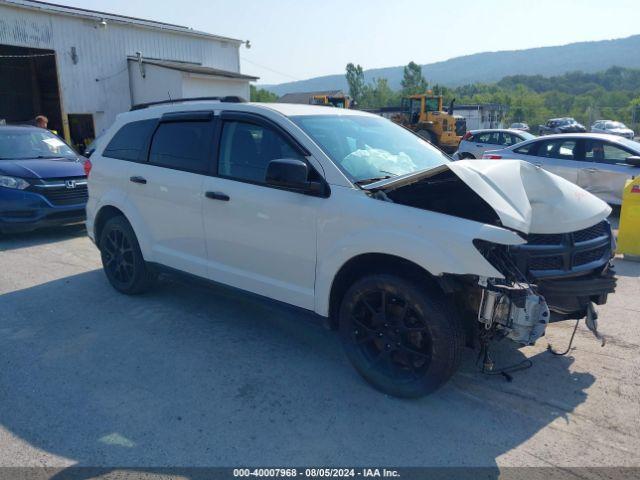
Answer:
(122, 259)
(400, 335)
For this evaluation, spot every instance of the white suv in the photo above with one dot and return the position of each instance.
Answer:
(346, 215)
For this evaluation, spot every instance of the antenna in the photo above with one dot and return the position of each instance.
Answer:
(169, 93)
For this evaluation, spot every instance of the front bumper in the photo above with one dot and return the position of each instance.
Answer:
(23, 211)
(569, 270)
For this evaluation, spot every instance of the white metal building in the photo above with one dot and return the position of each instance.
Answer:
(489, 115)
(81, 67)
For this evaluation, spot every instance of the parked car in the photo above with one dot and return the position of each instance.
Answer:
(612, 128)
(475, 142)
(561, 125)
(520, 126)
(601, 164)
(349, 217)
(42, 180)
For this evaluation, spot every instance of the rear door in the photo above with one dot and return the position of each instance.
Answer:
(607, 172)
(481, 142)
(166, 190)
(259, 238)
(562, 156)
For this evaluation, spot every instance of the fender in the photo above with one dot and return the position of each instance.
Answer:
(437, 254)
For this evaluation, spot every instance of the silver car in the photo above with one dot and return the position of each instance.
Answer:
(599, 163)
(475, 142)
(613, 128)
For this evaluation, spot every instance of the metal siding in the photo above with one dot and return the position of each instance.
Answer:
(102, 54)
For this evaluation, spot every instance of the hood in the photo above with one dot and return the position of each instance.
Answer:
(43, 168)
(524, 197)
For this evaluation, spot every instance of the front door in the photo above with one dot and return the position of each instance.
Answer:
(607, 172)
(259, 238)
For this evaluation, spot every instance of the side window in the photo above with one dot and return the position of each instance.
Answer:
(528, 149)
(482, 138)
(510, 139)
(183, 146)
(130, 140)
(562, 149)
(602, 152)
(495, 138)
(246, 149)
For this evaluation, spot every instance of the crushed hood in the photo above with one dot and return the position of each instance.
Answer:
(525, 198)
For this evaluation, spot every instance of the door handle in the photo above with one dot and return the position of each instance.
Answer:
(137, 179)
(217, 196)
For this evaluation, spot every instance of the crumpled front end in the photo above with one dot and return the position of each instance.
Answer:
(561, 268)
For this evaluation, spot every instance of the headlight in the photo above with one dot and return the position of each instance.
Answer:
(13, 182)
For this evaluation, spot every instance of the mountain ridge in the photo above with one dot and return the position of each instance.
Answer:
(489, 67)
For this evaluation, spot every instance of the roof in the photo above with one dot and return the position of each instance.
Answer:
(298, 109)
(193, 68)
(305, 97)
(114, 17)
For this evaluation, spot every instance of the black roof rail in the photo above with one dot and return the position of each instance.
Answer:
(227, 99)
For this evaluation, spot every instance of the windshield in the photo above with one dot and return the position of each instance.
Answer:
(567, 121)
(18, 144)
(615, 125)
(370, 148)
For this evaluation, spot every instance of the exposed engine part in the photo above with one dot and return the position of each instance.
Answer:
(592, 323)
(517, 311)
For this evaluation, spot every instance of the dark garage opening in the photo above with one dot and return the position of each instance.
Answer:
(29, 86)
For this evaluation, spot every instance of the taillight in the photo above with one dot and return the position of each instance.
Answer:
(87, 167)
(467, 136)
(491, 157)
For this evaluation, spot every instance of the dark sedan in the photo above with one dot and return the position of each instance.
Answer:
(42, 180)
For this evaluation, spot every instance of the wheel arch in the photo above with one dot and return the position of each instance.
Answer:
(367, 264)
(105, 213)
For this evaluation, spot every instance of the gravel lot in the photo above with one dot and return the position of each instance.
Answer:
(193, 375)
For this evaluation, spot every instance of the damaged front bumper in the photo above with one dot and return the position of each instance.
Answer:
(550, 278)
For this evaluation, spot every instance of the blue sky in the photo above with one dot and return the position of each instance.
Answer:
(298, 39)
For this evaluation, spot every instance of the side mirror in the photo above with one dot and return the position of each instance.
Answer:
(294, 174)
(633, 160)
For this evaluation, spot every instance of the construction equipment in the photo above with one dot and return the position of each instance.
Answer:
(423, 113)
(338, 101)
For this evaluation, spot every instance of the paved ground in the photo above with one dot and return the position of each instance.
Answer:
(193, 375)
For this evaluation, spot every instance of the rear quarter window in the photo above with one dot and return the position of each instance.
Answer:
(129, 142)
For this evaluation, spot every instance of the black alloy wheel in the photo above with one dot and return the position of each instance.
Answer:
(400, 334)
(122, 259)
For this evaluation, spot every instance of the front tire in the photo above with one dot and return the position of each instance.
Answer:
(400, 335)
(122, 259)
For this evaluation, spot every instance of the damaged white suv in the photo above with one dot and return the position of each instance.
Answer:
(345, 214)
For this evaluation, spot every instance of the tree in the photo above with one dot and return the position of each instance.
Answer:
(378, 94)
(261, 95)
(355, 79)
(412, 80)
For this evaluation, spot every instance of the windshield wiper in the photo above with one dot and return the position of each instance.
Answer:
(366, 181)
